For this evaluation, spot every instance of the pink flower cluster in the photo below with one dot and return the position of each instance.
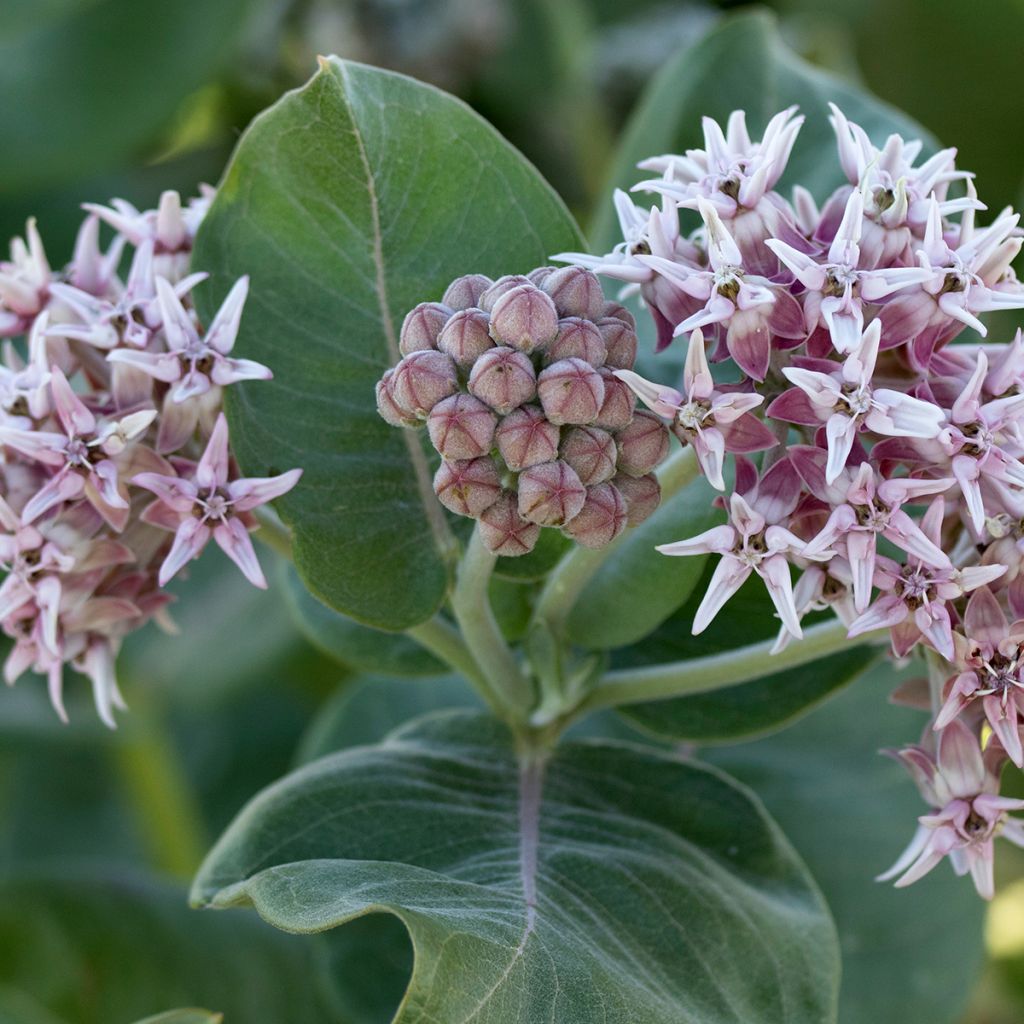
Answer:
(891, 483)
(110, 393)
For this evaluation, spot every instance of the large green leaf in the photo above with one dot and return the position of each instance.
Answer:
(94, 949)
(744, 65)
(736, 712)
(97, 80)
(909, 955)
(610, 883)
(348, 202)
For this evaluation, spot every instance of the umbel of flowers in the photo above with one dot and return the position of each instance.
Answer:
(115, 469)
(890, 484)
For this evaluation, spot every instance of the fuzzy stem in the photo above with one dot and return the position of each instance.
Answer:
(717, 671)
(501, 679)
(273, 532)
(443, 640)
(577, 568)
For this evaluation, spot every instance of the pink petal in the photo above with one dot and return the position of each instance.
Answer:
(189, 540)
(234, 541)
(247, 493)
(212, 470)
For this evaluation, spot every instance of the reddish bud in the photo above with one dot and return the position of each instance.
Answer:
(467, 486)
(619, 402)
(577, 339)
(421, 327)
(540, 275)
(504, 531)
(462, 427)
(620, 341)
(576, 291)
(617, 310)
(591, 452)
(526, 438)
(388, 408)
(502, 285)
(642, 495)
(550, 494)
(466, 336)
(503, 378)
(423, 379)
(524, 318)
(643, 444)
(571, 391)
(465, 292)
(602, 518)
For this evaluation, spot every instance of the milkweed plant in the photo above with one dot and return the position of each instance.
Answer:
(771, 414)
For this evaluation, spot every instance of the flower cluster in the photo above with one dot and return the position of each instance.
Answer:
(891, 479)
(517, 381)
(110, 394)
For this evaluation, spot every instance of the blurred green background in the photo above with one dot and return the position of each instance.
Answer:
(125, 98)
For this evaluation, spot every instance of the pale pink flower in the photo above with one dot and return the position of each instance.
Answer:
(820, 588)
(25, 386)
(24, 283)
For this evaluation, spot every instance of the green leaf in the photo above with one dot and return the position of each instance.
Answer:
(184, 1017)
(637, 588)
(358, 647)
(95, 949)
(748, 709)
(610, 883)
(348, 202)
(742, 64)
(98, 80)
(910, 954)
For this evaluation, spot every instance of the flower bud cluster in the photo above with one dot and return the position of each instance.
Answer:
(516, 382)
(110, 394)
(890, 479)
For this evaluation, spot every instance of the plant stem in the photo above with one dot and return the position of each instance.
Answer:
(444, 641)
(501, 678)
(717, 671)
(273, 532)
(577, 568)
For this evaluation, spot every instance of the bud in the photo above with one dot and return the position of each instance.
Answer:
(503, 378)
(502, 285)
(467, 486)
(465, 337)
(540, 275)
(550, 494)
(571, 391)
(620, 341)
(602, 518)
(461, 427)
(390, 411)
(642, 445)
(576, 291)
(422, 379)
(591, 452)
(524, 318)
(504, 531)
(642, 495)
(619, 402)
(526, 437)
(465, 292)
(577, 339)
(616, 310)
(421, 327)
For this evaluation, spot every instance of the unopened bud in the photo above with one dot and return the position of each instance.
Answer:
(577, 339)
(466, 337)
(462, 427)
(504, 531)
(642, 495)
(571, 391)
(524, 318)
(643, 444)
(540, 275)
(423, 379)
(390, 411)
(525, 437)
(602, 518)
(620, 341)
(576, 291)
(617, 310)
(619, 402)
(465, 292)
(591, 452)
(503, 378)
(550, 494)
(421, 327)
(467, 487)
(503, 284)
